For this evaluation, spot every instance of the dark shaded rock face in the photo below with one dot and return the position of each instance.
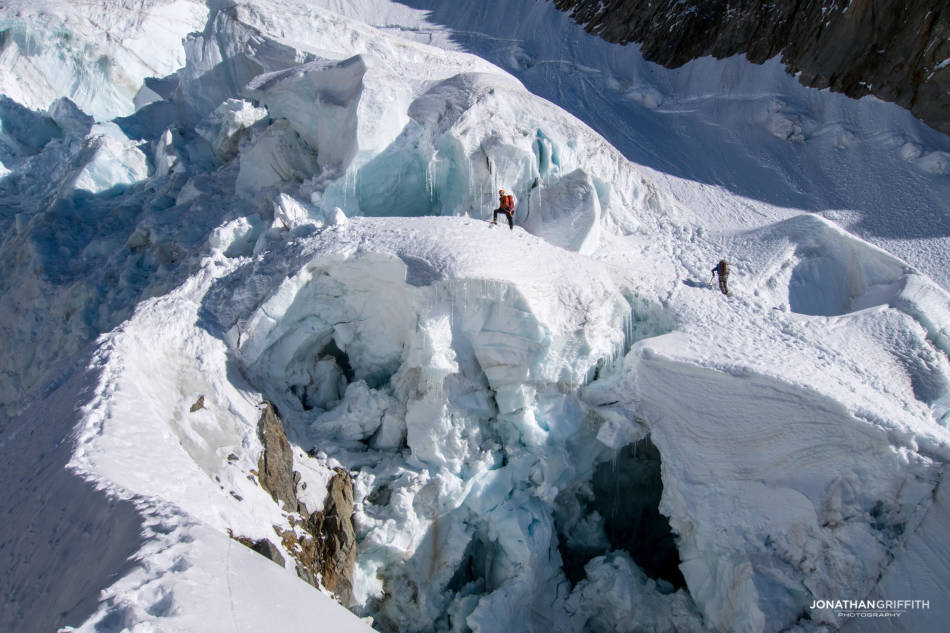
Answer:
(262, 546)
(268, 550)
(896, 50)
(335, 537)
(275, 467)
(326, 552)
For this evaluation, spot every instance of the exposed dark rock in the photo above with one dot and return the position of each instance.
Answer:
(306, 575)
(327, 551)
(267, 549)
(198, 405)
(893, 49)
(336, 537)
(275, 467)
(262, 546)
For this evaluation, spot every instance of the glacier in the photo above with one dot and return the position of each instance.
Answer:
(560, 427)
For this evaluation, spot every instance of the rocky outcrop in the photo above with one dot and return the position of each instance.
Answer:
(335, 537)
(262, 546)
(198, 405)
(275, 467)
(898, 51)
(324, 546)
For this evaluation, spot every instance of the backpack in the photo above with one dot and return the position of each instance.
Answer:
(509, 202)
(723, 268)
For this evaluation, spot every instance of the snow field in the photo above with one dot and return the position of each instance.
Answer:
(705, 127)
(63, 540)
(172, 409)
(195, 578)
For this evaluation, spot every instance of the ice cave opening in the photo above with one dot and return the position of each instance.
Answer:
(618, 509)
(319, 379)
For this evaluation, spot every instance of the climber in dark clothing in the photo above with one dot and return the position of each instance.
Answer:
(506, 205)
(722, 269)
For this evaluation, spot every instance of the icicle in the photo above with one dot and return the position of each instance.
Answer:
(472, 187)
(492, 175)
(612, 361)
(429, 179)
(346, 182)
(613, 506)
(540, 197)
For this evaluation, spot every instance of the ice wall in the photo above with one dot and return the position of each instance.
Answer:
(809, 515)
(54, 50)
(452, 380)
(453, 156)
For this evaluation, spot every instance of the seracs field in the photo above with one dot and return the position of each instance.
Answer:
(562, 427)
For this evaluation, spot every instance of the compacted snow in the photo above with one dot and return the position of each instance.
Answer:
(560, 427)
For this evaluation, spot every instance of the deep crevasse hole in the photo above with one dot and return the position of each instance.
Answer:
(618, 509)
(459, 414)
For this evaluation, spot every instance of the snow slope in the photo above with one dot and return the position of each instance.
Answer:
(749, 130)
(559, 427)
